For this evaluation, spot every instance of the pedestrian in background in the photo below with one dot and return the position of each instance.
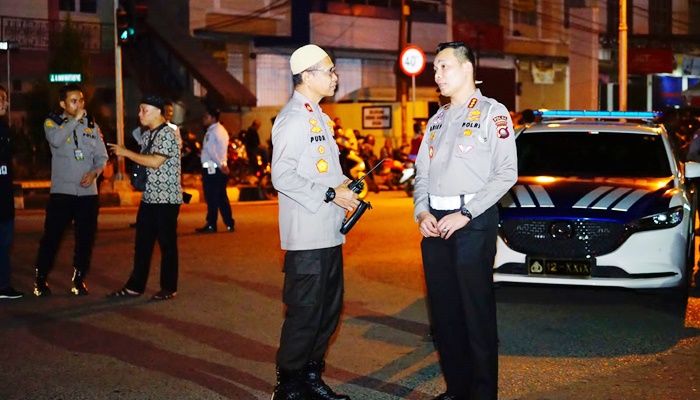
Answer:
(466, 163)
(7, 202)
(251, 140)
(78, 156)
(313, 199)
(160, 203)
(215, 173)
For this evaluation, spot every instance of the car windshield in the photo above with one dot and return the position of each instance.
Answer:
(582, 154)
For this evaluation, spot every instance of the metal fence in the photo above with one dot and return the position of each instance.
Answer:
(32, 33)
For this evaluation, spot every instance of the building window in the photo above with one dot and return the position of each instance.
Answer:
(660, 24)
(525, 12)
(694, 8)
(88, 6)
(66, 5)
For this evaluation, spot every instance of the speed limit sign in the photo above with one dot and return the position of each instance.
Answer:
(412, 60)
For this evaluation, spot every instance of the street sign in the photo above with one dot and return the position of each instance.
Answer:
(412, 60)
(64, 78)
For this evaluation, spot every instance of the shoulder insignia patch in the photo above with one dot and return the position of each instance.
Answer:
(472, 102)
(308, 107)
(49, 124)
(322, 166)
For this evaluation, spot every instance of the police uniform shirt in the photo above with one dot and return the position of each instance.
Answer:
(467, 149)
(215, 145)
(305, 164)
(66, 169)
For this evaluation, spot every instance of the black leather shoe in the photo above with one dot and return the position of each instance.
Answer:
(230, 228)
(316, 388)
(288, 386)
(206, 229)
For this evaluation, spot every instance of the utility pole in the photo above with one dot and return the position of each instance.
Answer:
(401, 84)
(622, 59)
(119, 94)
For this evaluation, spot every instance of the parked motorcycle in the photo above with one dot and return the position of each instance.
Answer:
(408, 178)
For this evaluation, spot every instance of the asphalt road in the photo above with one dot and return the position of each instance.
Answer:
(218, 338)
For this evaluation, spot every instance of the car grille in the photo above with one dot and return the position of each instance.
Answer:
(580, 238)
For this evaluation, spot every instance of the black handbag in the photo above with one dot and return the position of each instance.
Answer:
(139, 172)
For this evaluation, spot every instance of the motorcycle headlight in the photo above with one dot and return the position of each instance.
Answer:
(667, 219)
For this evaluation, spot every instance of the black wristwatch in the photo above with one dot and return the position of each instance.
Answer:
(465, 212)
(330, 195)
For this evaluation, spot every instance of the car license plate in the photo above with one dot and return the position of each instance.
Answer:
(561, 267)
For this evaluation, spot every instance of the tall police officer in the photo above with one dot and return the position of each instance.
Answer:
(466, 162)
(313, 198)
(78, 158)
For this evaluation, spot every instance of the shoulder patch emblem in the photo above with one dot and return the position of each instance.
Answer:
(322, 166)
(308, 107)
(472, 102)
(503, 132)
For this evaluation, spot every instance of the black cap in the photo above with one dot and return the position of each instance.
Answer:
(153, 100)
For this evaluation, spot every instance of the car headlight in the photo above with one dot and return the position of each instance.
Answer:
(667, 219)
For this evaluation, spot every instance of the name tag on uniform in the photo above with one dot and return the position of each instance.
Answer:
(78, 154)
(211, 169)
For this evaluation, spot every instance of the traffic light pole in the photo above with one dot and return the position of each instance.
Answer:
(119, 94)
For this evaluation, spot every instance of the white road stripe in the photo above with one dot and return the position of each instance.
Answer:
(541, 196)
(610, 198)
(586, 200)
(629, 201)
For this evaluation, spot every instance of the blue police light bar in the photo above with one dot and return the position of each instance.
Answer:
(597, 114)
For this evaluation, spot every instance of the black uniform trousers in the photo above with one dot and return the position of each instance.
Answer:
(216, 197)
(313, 294)
(155, 222)
(459, 279)
(61, 210)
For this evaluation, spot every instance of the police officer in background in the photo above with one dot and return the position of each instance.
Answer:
(313, 198)
(466, 162)
(78, 158)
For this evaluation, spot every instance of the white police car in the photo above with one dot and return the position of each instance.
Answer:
(601, 200)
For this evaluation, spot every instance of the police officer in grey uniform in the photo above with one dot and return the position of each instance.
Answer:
(78, 158)
(313, 199)
(466, 162)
